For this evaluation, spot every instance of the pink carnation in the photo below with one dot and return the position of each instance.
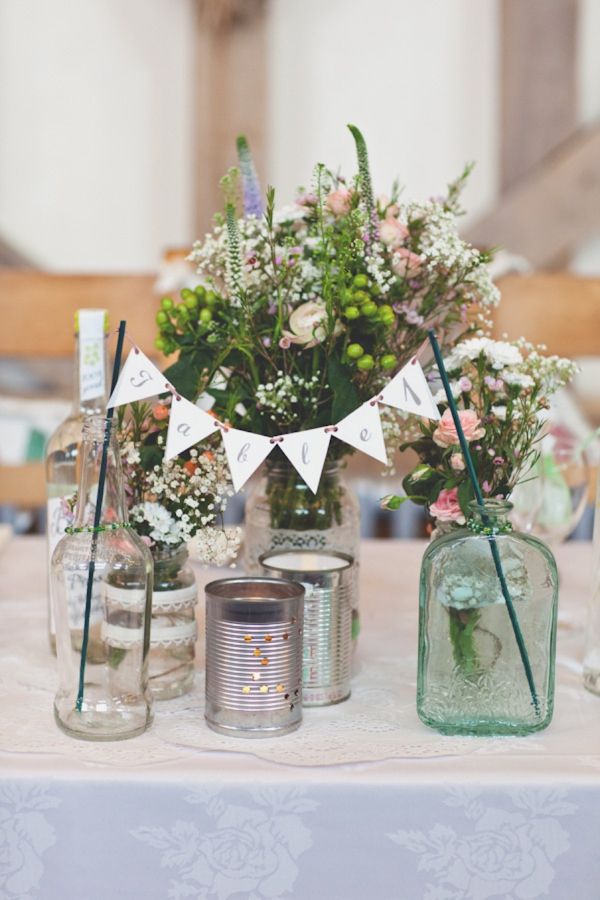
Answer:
(445, 434)
(446, 507)
(405, 263)
(339, 201)
(392, 233)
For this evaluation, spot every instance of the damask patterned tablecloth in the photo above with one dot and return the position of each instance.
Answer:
(362, 802)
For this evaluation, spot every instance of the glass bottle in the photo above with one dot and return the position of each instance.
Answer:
(282, 513)
(471, 679)
(89, 398)
(174, 631)
(115, 702)
(591, 660)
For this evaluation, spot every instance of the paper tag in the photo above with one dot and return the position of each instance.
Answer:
(92, 377)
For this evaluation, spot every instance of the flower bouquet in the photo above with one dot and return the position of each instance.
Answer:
(305, 311)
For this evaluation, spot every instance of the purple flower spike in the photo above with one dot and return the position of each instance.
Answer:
(253, 202)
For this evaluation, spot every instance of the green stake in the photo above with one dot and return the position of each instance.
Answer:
(464, 446)
(97, 517)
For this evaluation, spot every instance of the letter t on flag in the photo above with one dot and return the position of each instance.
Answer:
(188, 425)
(138, 380)
(409, 391)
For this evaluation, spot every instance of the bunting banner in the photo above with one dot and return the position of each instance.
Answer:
(409, 392)
(189, 423)
(245, 452)
(139, 379)
(306, 450)
(362, 430)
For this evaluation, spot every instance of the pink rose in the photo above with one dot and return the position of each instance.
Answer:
(405, 263)
(339, 201)
(446, 508)
(445, 434)
(392, 232)
(457, 462)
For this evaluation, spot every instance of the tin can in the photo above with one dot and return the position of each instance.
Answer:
(254, 656)
(329, 581)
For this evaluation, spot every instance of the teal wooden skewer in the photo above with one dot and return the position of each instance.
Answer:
(97, 517)
(464, 446)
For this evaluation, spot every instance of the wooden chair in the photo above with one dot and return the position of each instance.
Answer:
(37, 310)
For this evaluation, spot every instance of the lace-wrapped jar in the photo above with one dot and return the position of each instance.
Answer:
(471, 678)
(282, 513)
(174, 631)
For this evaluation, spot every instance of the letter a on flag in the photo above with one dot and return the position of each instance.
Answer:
(138, 380)
(409, 391)
(245, 452)
(188, 425)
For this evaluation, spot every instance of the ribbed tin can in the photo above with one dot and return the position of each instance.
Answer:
(328, 578)
(254, 656)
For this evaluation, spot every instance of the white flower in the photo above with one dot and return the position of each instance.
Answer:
(501, 353)
(307, 324)
(518, 378)
(499, 412)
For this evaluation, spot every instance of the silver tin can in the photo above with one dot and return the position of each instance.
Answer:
(254, 656)
(329, 581)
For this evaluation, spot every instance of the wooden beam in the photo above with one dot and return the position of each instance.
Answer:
(559, 310)
(539, 88)
(554, 210)
(37, 309)
(231, 89)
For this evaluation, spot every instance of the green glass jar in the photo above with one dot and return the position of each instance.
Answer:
(282, 513)
(471, 679)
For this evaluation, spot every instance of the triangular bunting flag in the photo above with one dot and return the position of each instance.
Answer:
(306, 450)
(362, 430)
(245, 452)
(138, 380)
(409, 391)
(187, 426)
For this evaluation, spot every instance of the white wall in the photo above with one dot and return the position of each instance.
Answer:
(95, 125)
(420, 80)
(96, 112)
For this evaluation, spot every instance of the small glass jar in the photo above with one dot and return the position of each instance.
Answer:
(103, 692)
(471, 678)
(282, 513)
(173, 633)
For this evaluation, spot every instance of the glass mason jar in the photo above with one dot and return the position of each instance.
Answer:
(174, 631)
(282, 513)
(471, 679)
(103, 689)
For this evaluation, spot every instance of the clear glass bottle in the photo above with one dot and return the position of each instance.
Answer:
(174, 631)
(115, 702)
(90, 394)
(471, 679)
(591, 659)
(282, 513)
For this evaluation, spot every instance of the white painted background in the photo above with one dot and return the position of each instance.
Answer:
(95, 112)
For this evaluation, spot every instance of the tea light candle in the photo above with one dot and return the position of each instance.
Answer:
(328, 578)
(254, 656)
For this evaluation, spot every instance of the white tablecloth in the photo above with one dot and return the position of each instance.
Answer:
(387, 809)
